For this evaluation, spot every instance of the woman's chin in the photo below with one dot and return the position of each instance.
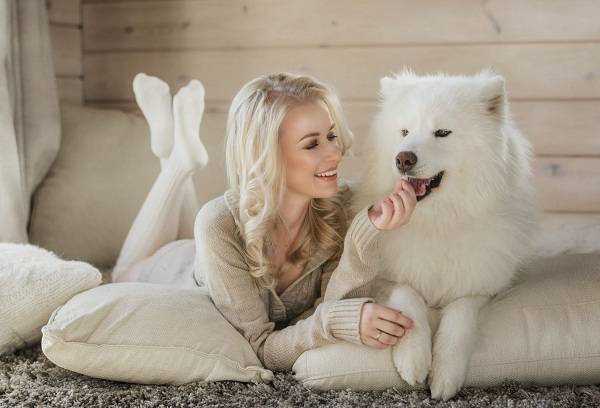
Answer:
(327, 193)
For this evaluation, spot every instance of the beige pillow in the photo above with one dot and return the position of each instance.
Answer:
(544, 330)
(34, 282)
(95, 187)
(100, 178)
(151, 334)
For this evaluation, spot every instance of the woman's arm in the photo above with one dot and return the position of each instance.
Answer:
(358, 265)
(220, 263)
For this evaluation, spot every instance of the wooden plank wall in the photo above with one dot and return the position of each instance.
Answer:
(549, 52)
(66, 35)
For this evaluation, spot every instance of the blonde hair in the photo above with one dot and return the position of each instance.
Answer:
(256, 171)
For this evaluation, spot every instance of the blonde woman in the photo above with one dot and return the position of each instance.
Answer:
(267, 247)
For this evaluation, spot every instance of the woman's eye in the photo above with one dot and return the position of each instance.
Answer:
(442, 132)
(404, 132)
(331, 136)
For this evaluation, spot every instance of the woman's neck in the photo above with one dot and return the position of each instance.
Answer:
(292, 211)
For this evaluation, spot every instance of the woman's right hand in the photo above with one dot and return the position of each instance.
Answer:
(395, 209)
(382, 326)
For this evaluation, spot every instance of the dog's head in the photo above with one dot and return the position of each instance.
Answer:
(440, 132)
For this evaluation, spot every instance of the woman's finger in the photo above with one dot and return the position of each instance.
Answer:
(398, 209)
(407, 202)
(407, 186)
(385, 338)
(390, 328)
(371, 342)
(412, 193)
(386, 210)
(381, 336)
(394, 316)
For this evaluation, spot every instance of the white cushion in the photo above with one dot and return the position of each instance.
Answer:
(151, 334)
(544, 330)
(34, 282)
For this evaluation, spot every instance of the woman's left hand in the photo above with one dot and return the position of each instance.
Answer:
(395, 209)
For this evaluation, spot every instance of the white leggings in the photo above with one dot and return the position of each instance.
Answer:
(162, 232)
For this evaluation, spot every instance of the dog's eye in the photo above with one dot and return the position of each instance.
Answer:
(442, 133)
(404, 132)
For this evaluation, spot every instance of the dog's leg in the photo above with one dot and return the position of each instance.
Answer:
(453, 346)
(412, 354)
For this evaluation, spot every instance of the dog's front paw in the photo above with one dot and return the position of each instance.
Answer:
(412, 358)
(447, 377)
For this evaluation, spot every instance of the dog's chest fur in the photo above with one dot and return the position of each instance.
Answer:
(445, 261)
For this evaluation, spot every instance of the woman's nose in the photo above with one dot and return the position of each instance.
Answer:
(334, 152)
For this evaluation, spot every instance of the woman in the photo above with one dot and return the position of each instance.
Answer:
(266, 248)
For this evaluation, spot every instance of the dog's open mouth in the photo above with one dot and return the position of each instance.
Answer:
(423, 187)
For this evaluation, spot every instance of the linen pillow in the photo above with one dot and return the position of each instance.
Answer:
(95, 187)
(149, 333)
(543, 330)
(34, 282)
(103, 172)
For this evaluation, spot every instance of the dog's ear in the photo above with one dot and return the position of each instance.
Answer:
(387, 86)
(493, 95)
(390, 84)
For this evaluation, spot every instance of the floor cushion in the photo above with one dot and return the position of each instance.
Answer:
(544, 330)
(151, 334)
(103, 171)
(34, 282)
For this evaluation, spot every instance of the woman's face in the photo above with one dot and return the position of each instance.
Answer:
(309, 149)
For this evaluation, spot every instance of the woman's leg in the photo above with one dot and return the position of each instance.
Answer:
(157, 222)
(189, 209)
(190, 117)
(154, 99)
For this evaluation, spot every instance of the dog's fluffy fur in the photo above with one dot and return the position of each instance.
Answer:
(467, 235)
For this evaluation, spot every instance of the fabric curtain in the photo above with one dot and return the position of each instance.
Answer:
(29, 111)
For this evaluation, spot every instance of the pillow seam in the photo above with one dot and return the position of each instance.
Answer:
(230, 362)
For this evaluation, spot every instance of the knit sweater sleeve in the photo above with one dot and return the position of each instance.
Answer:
(220, 263)
(359, 264)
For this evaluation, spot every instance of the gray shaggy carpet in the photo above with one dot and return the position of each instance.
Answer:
(29, 379)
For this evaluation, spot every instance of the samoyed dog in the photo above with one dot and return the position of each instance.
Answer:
(453, 139)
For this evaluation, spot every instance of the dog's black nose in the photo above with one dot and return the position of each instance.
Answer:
(406, 161)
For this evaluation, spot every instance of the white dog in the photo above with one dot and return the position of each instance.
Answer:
(453, 138)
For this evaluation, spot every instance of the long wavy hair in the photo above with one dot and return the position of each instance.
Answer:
(255, 169)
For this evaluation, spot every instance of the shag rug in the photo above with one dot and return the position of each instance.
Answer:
(29, 379)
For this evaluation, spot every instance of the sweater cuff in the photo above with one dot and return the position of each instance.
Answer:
(363, 231)
(344, 319)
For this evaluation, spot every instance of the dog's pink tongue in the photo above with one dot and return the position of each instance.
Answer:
(419, 187)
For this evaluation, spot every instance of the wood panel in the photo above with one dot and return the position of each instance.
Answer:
(64, 12)
(570, 127)
(211, 24)
(569, 184)
(555, 128)
(532, 70)
(566, 184)
(548, 51)
(70, 89)
(66, 49)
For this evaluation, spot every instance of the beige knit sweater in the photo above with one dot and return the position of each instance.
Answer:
(279, 328)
